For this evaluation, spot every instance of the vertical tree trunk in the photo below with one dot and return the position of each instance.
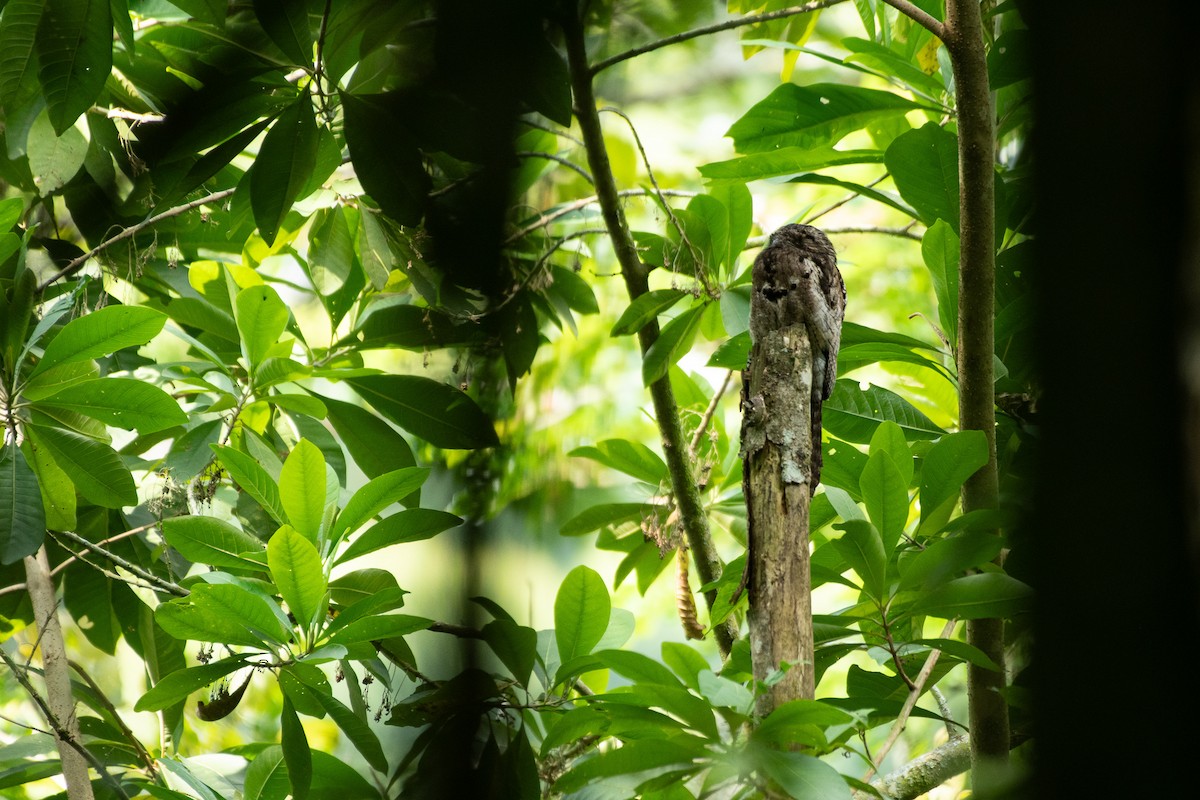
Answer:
(57, 674)
(976, 346)
(776, 391)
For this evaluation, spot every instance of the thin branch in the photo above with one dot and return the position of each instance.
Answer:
(904, 233)
(838, 204)
(910, 702)
(533, 123)
(148, 577)
(740, 22)
(66, 562)
(708, 415)
(920, 17)
(144, 756)
(544, 220)
(566, 162)
(76, 264)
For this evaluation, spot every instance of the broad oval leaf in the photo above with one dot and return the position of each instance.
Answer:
(636, 756)
(22, 518)
(74, 47)
(302, 484)
(255, 611)
(253, 479)
(375, 628)
(185, 620)
(391, 166)
(885, 494)
(853, 414)
(94, 467)
(645, 308)
(297, 754)
(208, 540)
(988, 595)
(412, 525)
(672, 344)
(581, 613)
(54, 159)
(177, 685)
(802, 775)
(284, 163)
(101, 332)
(374, 445)
(944, 559)
(924, 164)
(945, 468)
(440, 414)
(122, 403)
(940, 252)
(298, 573)
(287, 24)
(261, 318)
(633, 458)
(376, 495)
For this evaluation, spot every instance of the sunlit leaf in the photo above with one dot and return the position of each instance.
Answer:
(101, 332)
(298, 573)
(302, 486)
(632, 458)
(253, 479)
(581, 612)
(178, 685)
(94, 467)
(983, 596)
(208, 540)
(122, 403)
(852, 413)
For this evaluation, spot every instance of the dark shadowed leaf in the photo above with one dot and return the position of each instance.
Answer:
(74, 50)
(22, 520)
(285, 162)
(439, 414)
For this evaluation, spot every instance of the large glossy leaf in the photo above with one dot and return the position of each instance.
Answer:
(178, 685)
(645, 308)
(600, 516)
(412, 525)
(302, 484)
(376, 628)
(298, 573)
(440, 414)
(786, 161)
(22, 519)
(637, 756)
(122, 403)
(208, 540)
(18, 61)
(389, 164)
(187, 620)
(885, 494)
(58, 492)
(54, 159)
(285, 162)
(802, 775)
(632, 458)
(101, 332)
(581, 611)
(251, 607)
(296, 751)
(376, 495)
(944, 559)
(74, 49)
(983, 596)
(862, 548)
(261, 318)
(373, 444)
(672, 344)
(924, 165)
(813, 116)
(331, 250)
(267, 773)
(852, 413)
(253, 479)
(948, 464)
(94, 467)
(286, 22)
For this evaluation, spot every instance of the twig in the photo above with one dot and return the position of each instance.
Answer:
(66, 562)
(740, 22)
(76, 264)
(843, 201)
(533, 123)
(566, 162)
(708, 415)
(544, 220)
(920, 17)
(904, 233)
(150, 578)
(144, 756)
(911, 701)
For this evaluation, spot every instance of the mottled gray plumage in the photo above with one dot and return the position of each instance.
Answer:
(797, 281)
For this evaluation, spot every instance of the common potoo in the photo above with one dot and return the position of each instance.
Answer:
(797, 281)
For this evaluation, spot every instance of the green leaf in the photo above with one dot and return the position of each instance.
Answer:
(255, 611)
(889, 439)
(58, 493)
(74, 49)
(813, 116)
(855, 334)
(261, 317)
(885, 494)
(636, 756)
(356, 730)
(785, 161)
(284, 163)
(122, 403)
(581, 612)
(253, 479)
(944, 559)
(302, 489)
(286, 22)
(988, 595)
(187, 620)
(952, 459)
(267, 772)
(857, 188)
(733, 353)
(645, 308)
(18, 61)
(862, 548)
(637, 667)
(54, 159)
(373, 444)
(176, 686)
(387, 159)
(800, 775)
(572, 726)
(924, 165)
(739, 209)
(440, 414)
(853, 414)
(632, 458)
(298, 404)
(208, 540)
(601, 516)
(331, 250)
(800, 722)
(940, 251)
(412, 525)
(22, 519)
(385, 626)
(298, 573)
(387, 599)
(672, 344)
(101, 332)
(515, 645)
(94, 467)
(376, 495)
(297, 754)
